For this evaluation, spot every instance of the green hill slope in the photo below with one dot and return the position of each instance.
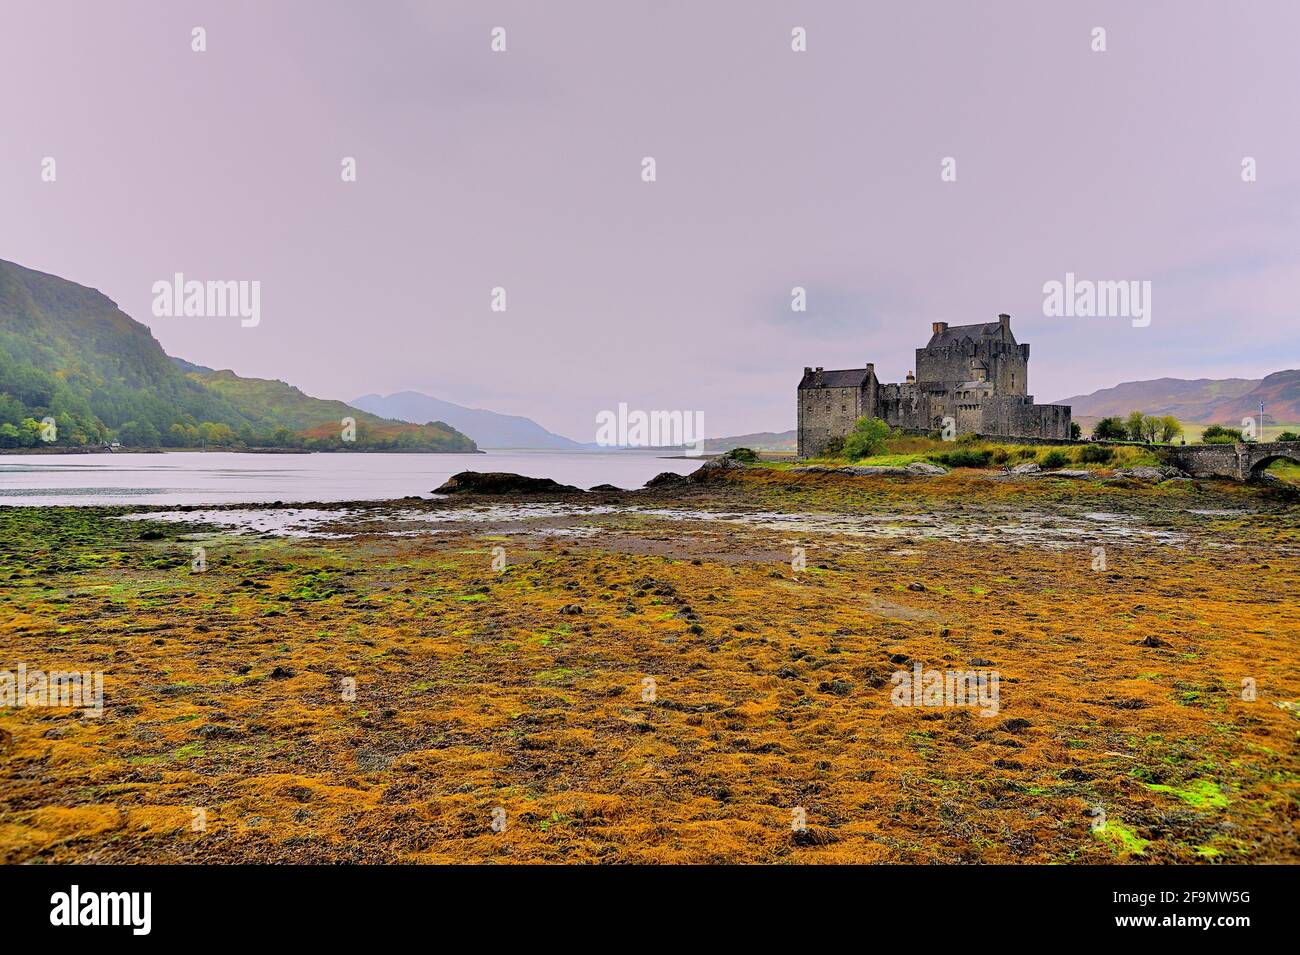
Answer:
(69, 354)
(316, 422)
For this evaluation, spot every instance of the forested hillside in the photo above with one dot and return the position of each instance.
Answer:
(69, 355)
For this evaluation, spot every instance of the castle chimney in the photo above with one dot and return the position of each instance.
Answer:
(807, 370)
(911, 378)
(1005, 320)
(939, 328)
(871, 368)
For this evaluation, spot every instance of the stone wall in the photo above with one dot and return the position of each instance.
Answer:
(900, 406)
(825, 413)
(1018, 415)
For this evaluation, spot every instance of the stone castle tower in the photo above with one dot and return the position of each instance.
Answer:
(975, 375)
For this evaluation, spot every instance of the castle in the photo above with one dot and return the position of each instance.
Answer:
(977, 375)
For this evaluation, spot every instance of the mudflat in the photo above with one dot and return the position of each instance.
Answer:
(699, 673)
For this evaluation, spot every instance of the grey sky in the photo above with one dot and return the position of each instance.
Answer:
(775, 169)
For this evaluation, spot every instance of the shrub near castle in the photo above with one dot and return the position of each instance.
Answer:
(867, 438)
(1218, 434)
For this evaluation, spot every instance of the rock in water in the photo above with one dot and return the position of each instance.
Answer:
(710, 469)
(666, 479)
(502, 482)
(924, 467)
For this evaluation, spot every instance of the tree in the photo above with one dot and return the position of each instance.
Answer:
(138, 434)
(10, 436)
(1169, 428)
(216, 434)
(29, 432)
(1134, 424)
(867, 438)
(1218, 434)
(1110, 429)
(1150, 428)
(1076, 430)
(11, 409)
(284, 438)
(66, 431)
(1288, 436)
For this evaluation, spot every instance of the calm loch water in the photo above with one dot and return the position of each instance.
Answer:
(218, 477)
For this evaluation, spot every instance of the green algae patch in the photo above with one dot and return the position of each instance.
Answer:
(1199, 793)
(314, 585)
(1124, 839)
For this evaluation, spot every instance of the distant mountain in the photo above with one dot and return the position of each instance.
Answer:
(67, 352)
(1176, 396)
(488, 428)
(759, 441)
(1280, 393)
(1197, 401)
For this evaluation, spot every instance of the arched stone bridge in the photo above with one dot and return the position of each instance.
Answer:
(1241, 462)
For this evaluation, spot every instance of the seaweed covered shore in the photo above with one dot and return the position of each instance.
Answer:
(699, 672)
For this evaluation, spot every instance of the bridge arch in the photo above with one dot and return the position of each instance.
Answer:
(1257, 468)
